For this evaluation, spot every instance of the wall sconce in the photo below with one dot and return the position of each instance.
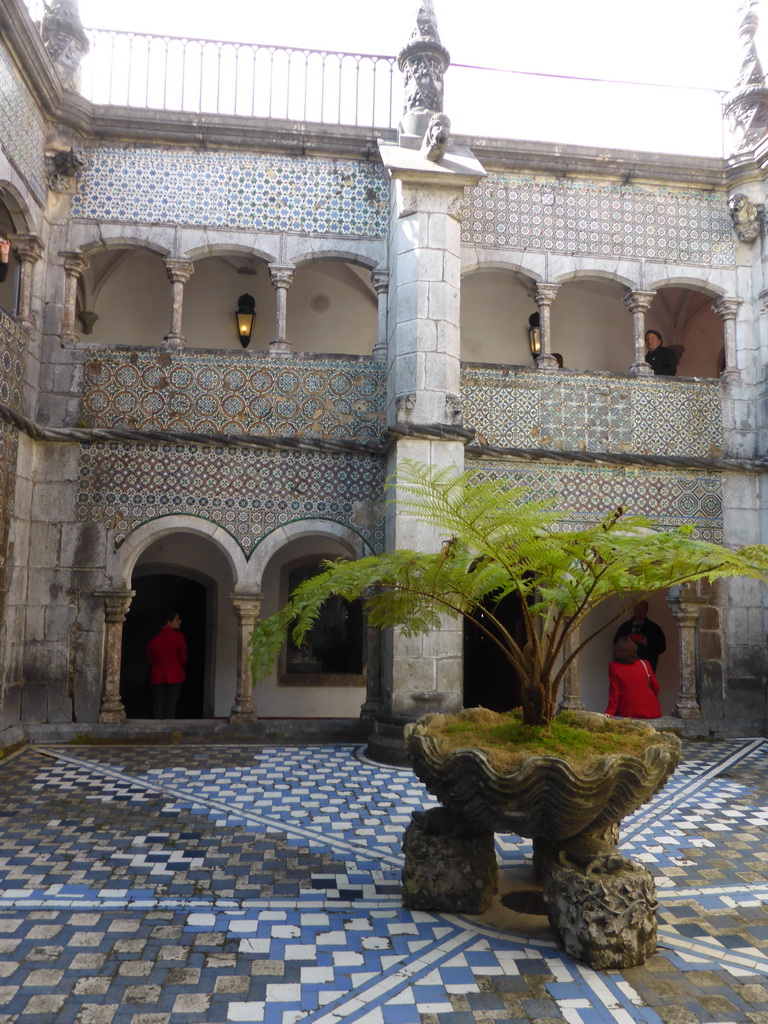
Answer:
(534, 334)
(246, 306)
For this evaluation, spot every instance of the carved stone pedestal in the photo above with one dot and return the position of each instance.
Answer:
(601, 906)
(448, 867)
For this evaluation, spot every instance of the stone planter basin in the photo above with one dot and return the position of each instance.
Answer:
(544, 797)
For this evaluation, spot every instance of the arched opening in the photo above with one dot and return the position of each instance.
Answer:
(158, 593)
(691, 328)
(8, 287)
(495, 306)
(326, 678)
(591, 326)
(189, 571)
(125, 298)
(332, 308)
(211, 299)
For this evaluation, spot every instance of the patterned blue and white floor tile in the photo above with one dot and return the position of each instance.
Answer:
(156, 886)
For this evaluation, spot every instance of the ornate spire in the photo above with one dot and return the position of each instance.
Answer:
(64, 39)
(746, 108)
(423, 60)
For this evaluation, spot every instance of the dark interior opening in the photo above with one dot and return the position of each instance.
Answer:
(155, 594)
(489, 680)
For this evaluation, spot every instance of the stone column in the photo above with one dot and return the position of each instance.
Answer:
(116, 605)
(380, 281)
(686, 607)
(571, 695)
(28, 249)
(179, 272)
(75, 265)
(638, 303)
(247, 607)
(726, 309)
(544, 295)
(282, 275)
(424, 416)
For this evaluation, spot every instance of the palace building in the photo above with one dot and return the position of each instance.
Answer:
(226, 322)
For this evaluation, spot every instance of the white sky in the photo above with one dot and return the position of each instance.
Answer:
(670, 42)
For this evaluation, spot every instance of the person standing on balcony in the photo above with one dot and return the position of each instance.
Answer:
(167, 654)
(5, 249)
(648, 636)
(661, 360)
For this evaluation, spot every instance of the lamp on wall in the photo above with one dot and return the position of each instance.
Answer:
(246, 306)
(534, 334)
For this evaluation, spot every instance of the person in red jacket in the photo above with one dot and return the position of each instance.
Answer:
(167, 653)
(632, 687)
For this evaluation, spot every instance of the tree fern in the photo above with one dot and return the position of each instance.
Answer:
(497, 543)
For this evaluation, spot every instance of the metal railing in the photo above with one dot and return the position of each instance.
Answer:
(136, 69)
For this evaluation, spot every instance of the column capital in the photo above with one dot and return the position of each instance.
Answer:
(282, 274)
(380, 281)
(179, 271)
(75, 263)
(28, 248)
(638, 301)
(116, 603)
(544, 292)
(726, 307)
(247, 607)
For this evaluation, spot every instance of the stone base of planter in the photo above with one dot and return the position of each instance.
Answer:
(601, 906)
(449, 866)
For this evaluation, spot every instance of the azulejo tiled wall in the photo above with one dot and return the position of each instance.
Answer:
(22, 130)
(514, 408)
(584, 495)
(151, 390)
(245, 491)
(239, 190)
(632, 221)
(11, 362)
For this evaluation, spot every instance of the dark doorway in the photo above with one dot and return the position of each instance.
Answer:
(156, 593)
(489, 681)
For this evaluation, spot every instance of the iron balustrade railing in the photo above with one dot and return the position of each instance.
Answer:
(136, 69)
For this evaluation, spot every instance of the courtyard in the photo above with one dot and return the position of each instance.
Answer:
(176, 884)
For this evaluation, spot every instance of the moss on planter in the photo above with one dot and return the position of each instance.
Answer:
(578, 738)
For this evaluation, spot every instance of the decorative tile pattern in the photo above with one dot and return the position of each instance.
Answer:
(631, 221)
(22, 129)
(206, 392)
(247, 492)
(11, 361)
(586, 494)
(517, 408)
(260, 192)
(147, 885)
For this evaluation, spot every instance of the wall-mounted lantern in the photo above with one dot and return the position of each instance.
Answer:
(534, 334)
(246, 307)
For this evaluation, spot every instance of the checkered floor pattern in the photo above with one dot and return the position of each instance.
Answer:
(261, 884)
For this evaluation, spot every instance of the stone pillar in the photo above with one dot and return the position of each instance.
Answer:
(28, 249)
(686, 607)
(247, 607)
(544, 294)
(726, 309)
(380, 281)
(75, 265)
(282, 275)
(571, 695)
(116, 605)
(638, 303)
(179, 272)
(423, 673)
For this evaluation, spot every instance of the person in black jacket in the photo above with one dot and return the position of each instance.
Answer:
(5, 249)
(648, 636)
(661, 360)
